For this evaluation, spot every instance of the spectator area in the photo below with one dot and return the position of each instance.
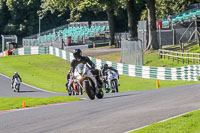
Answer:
(75, 31)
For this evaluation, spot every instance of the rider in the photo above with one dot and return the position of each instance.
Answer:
(84, 59)
(105, 68)
(15, 76)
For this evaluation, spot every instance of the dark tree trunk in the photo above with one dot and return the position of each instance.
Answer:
(153, 42)
(132, 20)
(111, 22)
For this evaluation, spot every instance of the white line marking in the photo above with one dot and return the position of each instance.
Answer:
(161, 121)
(33, 86)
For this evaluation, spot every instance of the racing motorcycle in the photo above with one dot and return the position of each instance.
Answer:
(111, 81)
(16, 85)
(74, 88)
(86, 80)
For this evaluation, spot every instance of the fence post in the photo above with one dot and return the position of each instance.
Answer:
(164, 54)
(182, 59)
(193, 58)
(187, 58)
(199, 57)
(167, 56)
(177, 57)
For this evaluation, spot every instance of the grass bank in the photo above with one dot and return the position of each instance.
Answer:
(49, 72)
(188, 123)
(16, 103)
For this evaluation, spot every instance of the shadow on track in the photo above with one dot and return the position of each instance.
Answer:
(28, 91)
(124, 95)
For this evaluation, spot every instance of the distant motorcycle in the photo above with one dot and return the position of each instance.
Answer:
(85, 80)
(16, 85)
(111, 81)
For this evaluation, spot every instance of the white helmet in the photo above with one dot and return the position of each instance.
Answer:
(16, 73)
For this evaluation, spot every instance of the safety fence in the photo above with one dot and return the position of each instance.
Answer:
(179, 56)
(31, 50)
(190, 72)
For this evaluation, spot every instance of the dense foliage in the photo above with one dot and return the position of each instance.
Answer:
(21, 17)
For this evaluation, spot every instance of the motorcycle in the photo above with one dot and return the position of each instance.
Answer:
(111, 81)
(74, 88)
(16, 85)
(86, 80)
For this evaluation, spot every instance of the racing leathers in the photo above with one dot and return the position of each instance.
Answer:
(17, 77)
(91, 65)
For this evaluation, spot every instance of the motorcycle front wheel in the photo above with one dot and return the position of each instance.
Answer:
(114, 86)
(89, 90)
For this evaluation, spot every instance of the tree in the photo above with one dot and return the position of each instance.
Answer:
(164, 8)
(132, 18)
(78, 6)
(152, 41)
(5, 15)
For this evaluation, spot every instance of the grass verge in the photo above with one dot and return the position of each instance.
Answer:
(188, 123)
(49, 72)
(16, 103)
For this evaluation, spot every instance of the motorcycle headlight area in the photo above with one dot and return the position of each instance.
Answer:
(79, 77)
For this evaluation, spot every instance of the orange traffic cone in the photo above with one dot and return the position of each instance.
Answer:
(24, 104)
(157, 84)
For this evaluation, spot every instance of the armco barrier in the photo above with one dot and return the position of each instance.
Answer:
(189, 73)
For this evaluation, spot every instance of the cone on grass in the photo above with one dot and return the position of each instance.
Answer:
(157, 84)
(24, 104)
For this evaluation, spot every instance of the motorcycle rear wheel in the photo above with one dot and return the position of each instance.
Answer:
(100, 94)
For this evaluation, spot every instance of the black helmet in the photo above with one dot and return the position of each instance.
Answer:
(105, 66)
(77, 53)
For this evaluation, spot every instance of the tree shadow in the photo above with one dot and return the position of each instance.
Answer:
(123, 95)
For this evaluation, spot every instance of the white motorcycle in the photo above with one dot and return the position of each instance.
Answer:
(16, 85)
(111, 81)
(86, 81)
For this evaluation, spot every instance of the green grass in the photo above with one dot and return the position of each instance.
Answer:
(16, 103)
(49, 72)
(44, 71)
(134, 84)
(114, 57)
(188, 123)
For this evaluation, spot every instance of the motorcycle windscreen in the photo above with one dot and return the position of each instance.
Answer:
(80, 69)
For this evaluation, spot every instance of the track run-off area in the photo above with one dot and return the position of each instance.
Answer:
(115, 113)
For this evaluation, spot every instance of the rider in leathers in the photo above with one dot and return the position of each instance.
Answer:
(85, 60)
(16, 75)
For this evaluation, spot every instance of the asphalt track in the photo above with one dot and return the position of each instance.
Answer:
(25, 90)
(115, 113)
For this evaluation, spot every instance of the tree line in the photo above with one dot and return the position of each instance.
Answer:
(21, 17)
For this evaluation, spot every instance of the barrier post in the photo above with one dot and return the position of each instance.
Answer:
(157, 84)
